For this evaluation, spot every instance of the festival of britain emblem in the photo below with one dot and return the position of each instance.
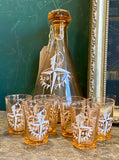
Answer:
(105, 123)
(53, 114)
(81, 132)
(15, 119)
(38, 126)
(56, 76)
(66, 116)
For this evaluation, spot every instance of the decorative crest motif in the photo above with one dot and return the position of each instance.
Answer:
(15, 119)
(55, 77)
(53, 114)
(105, 123)
(81, 132)
(66, 116)
(38, 126)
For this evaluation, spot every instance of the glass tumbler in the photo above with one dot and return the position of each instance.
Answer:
(36, 122)
(66, 115)
(84, 117)
(53, 118)
(15, 112)
(106, 116)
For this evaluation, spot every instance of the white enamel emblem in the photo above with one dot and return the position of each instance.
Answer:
(54, 77)
(65, 117)
(15, 119)
(37, 125)
(105, 123)
(81, 132)
(53, 115)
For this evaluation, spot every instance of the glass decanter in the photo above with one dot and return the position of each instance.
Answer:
(57, 74)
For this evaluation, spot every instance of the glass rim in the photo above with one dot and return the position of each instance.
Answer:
(82, 98)
(12, 96)
(35, 101)
(98, 105)
(112, 101)
(45, 96)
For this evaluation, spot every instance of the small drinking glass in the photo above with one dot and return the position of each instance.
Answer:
(36, 122)
(84, 117)
(53, 119)
(15, 112)
(66, 115)
(106, 116)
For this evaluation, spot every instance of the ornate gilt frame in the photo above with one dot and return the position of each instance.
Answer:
(98, 48)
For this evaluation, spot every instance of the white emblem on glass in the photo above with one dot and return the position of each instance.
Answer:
(105, 123)
(55, 77)
(38, 126)
(81, 132)
(53, 113)
(15, 119)
(65, 117)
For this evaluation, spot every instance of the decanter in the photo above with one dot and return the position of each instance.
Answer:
(57, 74)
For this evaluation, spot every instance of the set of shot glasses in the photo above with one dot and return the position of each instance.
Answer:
(85, 120)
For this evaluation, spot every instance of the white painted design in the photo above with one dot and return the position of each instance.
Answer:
(55, 77)
(65, 117)
(37, 124)
(53, 114)
(105, 122)
(81, 132)
(16, 119)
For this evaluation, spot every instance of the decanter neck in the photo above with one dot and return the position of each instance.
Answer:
(59, 20)
(58, 32)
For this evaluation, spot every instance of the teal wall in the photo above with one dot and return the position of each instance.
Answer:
(24, 31)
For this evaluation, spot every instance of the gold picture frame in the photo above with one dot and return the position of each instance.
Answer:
(98, 48)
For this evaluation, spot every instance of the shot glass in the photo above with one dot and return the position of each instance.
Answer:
(15, 112)
(66, 114)
(106, 116)
(53, 118)
(84, 117)
(36, 122)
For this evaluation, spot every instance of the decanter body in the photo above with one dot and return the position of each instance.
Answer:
(57, 73)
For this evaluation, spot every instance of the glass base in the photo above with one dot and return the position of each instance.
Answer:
(52, 131)
(36, 143)
(85, 146)
(15, 132)
(65, 134)
(104, 138)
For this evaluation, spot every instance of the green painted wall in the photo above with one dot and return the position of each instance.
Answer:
(24, 31)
